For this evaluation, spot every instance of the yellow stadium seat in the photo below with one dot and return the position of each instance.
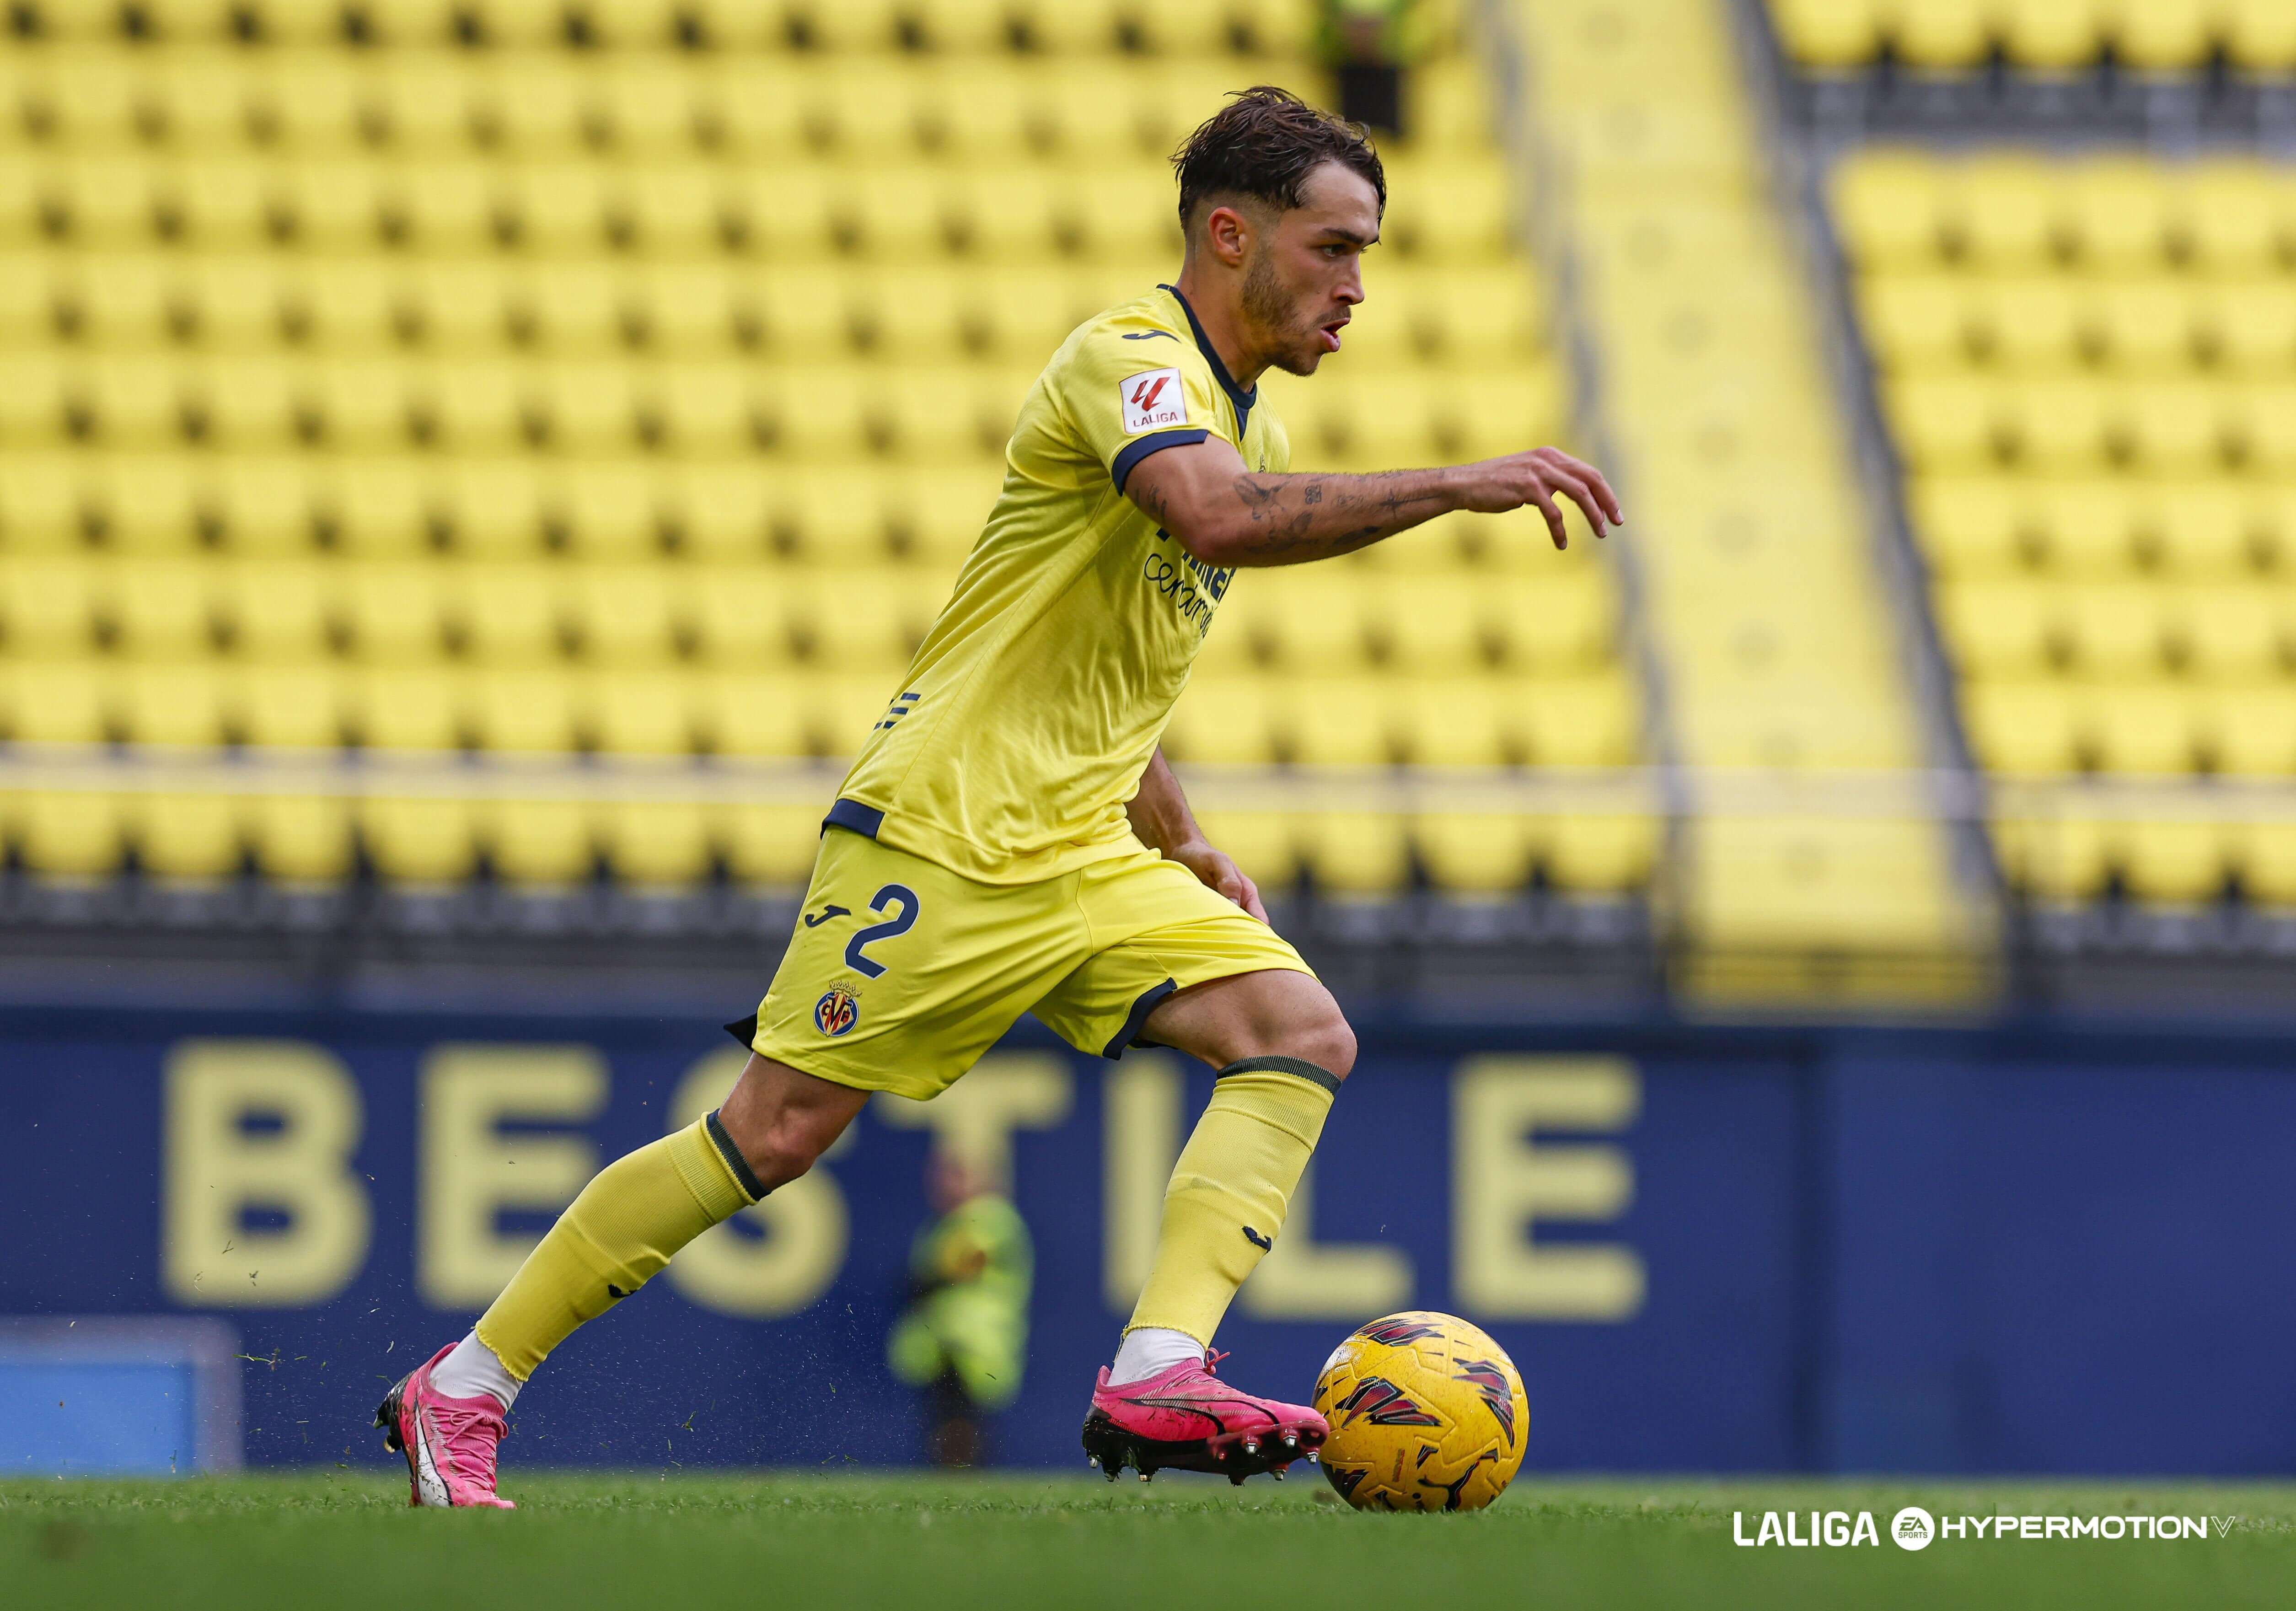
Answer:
(232, 299)
(540, 842)
(740, 615)
(419, 839)
(303, 100)
(2142, 728)
(1945, 425)
(2028, 322)
(1263, 843)
(2060, 859)
(331, 205)
(714, 410)
(288, 707)
(408, 707)
(1474, 853)
(2007, 210)
(122, 299)
(1605, 853)
(1357, 853)
(648, 104)
(2262, 33)
(2250, 324)
(1970, 527)
(147, 508)
(442, 207)
(657, 843)
(129, 401)
(1829, 33)
(377, 509)
(506, 614)
(1944, 34)
(583, 408)
(70, 836)
(41, 504)
(392, 611)
(2232, 631)
(2087, 526)
(1465, 721)
(187, 836)
(1582, 722)
(2254, 731)
(47, 606)
(1339, 721)
(646, 712)
(1545, 621)
(1915, 321)
(262, 507)
(695, 309)
(2166, 35)
(56, 701)
(1996, 628)
(220, 205)
(528, 24)
(409, 21)
(245, 403)
(1891, 206)
(32, 292)
(1225, 719)
(1428, 623)
(523, 710)
(494, 507)
(1308, 618)
(2117, 210)
(158, 608)
(32, 400)
(747, 713)
(2052, 33)
(2064, 426)
(622, 614)
(300, 838)
(2179, 861)
(276, 610)
(180, 705)
(770, 844)
(2116, 629)
(2021, 727)
(2266, 852)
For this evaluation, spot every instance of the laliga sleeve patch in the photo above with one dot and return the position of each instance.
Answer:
(1152, 401)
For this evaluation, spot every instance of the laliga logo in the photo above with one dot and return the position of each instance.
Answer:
(1143, 396)
(836, 1012)
(1912, 1528)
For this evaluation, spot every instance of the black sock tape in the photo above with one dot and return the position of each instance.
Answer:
(744, 1176)
(1298, 1068)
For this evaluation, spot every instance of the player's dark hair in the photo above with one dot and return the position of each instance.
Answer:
(1264, 143)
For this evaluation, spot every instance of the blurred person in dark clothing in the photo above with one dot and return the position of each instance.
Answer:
(1365, 44)
(964, 1336)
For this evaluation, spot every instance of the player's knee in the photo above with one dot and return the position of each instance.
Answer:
(786, 1150)
(1329, 1043)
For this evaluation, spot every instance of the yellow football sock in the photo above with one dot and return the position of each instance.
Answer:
(630, 1219)
(1231, 1189)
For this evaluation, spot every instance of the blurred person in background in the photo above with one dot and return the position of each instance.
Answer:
(1365, 44)
(964, 1336)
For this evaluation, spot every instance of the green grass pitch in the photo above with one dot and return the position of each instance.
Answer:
(835, 1541)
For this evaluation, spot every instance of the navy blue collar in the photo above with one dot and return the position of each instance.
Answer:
(1242, 400)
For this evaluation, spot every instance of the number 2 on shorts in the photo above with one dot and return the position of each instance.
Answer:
(897, 894)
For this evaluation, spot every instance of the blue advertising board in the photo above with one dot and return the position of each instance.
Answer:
(1706, 1249)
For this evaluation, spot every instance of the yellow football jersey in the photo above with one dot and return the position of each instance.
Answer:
(1037, 700)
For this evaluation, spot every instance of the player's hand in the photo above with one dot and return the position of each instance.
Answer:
(1215, 869)
(1496, 485)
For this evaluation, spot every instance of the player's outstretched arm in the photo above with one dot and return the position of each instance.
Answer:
(1161, 817)
(1227, 514)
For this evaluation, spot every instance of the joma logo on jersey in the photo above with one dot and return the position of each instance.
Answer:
(1152, 400)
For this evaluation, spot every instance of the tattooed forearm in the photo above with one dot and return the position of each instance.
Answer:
(1288, 519)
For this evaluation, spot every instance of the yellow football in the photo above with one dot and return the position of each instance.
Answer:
(1427, 1413)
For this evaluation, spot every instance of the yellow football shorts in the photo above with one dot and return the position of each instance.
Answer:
(901, 973)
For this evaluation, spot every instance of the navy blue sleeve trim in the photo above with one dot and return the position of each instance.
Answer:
(1137, 1017)
(1134, 452)
(851, 814)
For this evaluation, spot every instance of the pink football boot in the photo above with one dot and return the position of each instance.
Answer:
(1186, 1419)
(449, 1443)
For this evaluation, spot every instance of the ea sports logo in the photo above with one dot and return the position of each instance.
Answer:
(1913, 1528)
(836, 1012)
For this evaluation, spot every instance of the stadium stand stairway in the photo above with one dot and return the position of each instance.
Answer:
(1759, 589)
(429, 426)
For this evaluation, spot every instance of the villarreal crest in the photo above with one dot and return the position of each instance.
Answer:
(836, 1012)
